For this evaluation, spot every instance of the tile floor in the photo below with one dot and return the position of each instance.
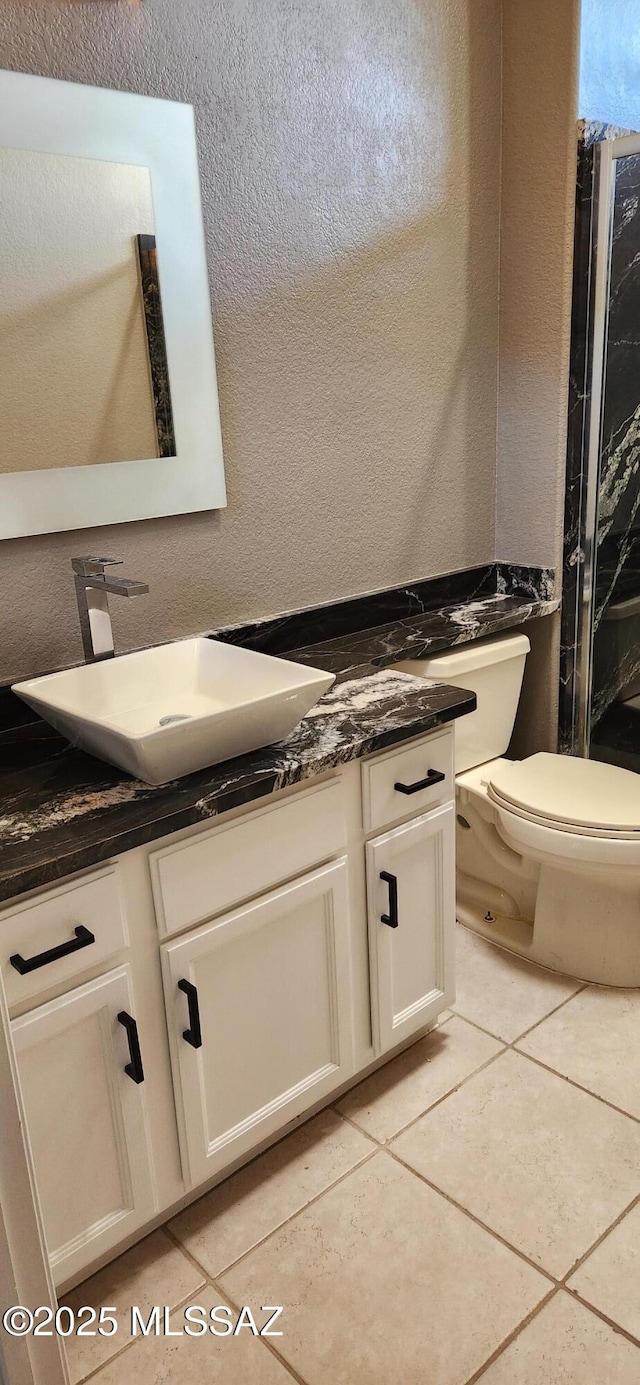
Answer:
(471, 1212)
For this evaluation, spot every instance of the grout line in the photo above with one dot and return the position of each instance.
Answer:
(384, 1144)
(214, 1282)
(513, 1045)
(525, 1032)
(598, 1313)
(108, 1361)
(597, 1243)
(285, 1222)
(559, 1281)
(477, 1375)
(560, 1006)
(546, 1274)
(266, 1341)
(571, 1081)
(336, 1103)
(483, 1030)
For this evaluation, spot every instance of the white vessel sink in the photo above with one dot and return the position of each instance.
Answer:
(165, 712)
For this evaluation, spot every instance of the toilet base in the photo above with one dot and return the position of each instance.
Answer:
(575, 916)
(588, 928)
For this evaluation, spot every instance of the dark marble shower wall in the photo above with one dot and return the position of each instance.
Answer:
(616, 624)
(577, 438)
(616, 636)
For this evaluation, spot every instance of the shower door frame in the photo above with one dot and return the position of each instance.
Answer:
(578, 611)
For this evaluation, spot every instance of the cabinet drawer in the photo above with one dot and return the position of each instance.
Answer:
(428, 762)
(196, 879)
(55, 937)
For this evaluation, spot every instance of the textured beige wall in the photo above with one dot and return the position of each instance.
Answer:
(350, 167)
(537, 719)
(540, 77)
(75, 384)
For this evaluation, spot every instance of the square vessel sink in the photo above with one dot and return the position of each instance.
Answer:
(165, 712)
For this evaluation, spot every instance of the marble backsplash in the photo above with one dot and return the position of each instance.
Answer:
(316, 625)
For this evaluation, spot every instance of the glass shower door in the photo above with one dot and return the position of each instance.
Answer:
(613, 721)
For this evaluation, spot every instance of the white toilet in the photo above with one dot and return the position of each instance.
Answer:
(548, 847)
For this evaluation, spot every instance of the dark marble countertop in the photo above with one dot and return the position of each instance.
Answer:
(63, 811)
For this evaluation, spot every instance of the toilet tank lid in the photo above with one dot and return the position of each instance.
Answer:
(463, 658)
(562, 788)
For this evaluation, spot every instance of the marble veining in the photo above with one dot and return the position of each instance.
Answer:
(538, 583)
(50, 827)
(281, 634)
(62, 810)
(616, 642)
(617, 558)
(420, 636)
(580, 366)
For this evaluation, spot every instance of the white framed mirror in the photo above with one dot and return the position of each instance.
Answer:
(108, 396)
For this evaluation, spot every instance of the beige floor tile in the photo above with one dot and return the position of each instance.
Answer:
(565, 1344)
(383, 1280)
(245, 1208)
(590, 1040)
(397, 1093)
(610, 1278)
(545, 1165)
(198, 1360)
(155, 1271)
(502, 992)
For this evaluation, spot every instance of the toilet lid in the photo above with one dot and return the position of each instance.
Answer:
(562, 789)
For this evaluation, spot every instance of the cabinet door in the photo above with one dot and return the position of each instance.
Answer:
(86, 1120)
(411, 905)
(259, 1016)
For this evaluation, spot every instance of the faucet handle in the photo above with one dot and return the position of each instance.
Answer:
(93, 567)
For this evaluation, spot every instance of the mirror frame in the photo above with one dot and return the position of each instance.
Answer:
(50, 116)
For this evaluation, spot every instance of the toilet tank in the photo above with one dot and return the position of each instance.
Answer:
(493, 669)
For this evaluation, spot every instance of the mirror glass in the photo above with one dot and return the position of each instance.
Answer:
(108, 396)
(83, 363)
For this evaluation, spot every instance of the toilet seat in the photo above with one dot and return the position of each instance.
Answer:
(587, 798)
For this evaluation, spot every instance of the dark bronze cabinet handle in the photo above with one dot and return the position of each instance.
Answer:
(433, 777)
(193, 1034)
(134, 1069)
(392, 917)
(83, 938)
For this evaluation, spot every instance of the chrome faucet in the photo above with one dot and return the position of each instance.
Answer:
(93, 587)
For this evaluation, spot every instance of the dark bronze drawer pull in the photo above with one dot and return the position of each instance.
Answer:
(193, 1034)
(83, 938)
(391, 919)
(433, 777)
(134, 1069)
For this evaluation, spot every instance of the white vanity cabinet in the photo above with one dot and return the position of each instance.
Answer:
(411, 908)
(82, 1087)
(259, 1009)
(410, 886)
(269, 959)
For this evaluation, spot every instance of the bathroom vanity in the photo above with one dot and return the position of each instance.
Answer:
(181, 1005)
(192, 968)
